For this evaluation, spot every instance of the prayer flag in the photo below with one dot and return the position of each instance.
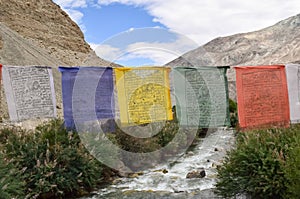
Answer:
(29, 92)
(87, 94)
(293, 80)
(262, 96)
(201, 96)
(143, 94)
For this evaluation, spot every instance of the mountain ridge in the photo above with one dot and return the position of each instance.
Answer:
(276, 44)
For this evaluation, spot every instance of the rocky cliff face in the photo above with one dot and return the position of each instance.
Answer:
(46, 26)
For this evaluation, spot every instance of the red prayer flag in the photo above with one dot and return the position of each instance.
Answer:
(262, 96)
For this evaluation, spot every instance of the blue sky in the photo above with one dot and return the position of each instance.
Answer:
(143, 32)
(113, 19)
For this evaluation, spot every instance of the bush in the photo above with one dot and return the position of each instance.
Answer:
(233, 113)
(292, 170)
(142, 140)
(167, 137)
(137, 141)
(11, 185)
(257, 165)
(53, 161)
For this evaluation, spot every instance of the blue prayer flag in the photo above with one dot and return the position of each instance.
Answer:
(88, 95)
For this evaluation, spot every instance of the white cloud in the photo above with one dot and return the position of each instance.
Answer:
(72, 3)
(157, 56)
(94, 46)
(206, 19)
(107, 52)
(75, 15)
(159, 52)
(127, 2)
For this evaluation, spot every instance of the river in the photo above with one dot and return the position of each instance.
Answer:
(169, 181)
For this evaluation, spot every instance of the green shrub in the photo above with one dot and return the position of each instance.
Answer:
(256, 166)
(134, 142)
(158, 135)
(140, 140)
(11, 185)
(292, 169)
(233, 113)
(151, 137)
(53, 161)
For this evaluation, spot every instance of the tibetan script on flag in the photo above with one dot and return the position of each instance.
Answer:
(143, 95)
(201, 96)
(262, 96)
(29, 91)
(87, 94)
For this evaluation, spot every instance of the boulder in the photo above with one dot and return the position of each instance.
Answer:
(199, 173)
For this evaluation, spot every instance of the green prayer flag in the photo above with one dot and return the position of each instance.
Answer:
(202, 96)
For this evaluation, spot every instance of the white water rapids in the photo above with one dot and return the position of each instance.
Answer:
(155, 183)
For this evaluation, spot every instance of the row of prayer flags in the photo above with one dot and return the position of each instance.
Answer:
(143, 95)
(266, 95)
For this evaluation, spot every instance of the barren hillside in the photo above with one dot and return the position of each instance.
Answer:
(44, 24)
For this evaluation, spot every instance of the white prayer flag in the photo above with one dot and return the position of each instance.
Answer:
(29, 92)
(293, 80)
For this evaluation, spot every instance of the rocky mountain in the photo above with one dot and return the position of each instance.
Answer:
(44, 25)
(277, 44)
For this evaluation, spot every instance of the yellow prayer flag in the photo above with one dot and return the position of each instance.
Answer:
(143, 94)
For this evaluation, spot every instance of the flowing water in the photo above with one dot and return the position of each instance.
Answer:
(169, 180)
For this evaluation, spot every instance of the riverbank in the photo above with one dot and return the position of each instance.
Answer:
(264, 164)
(51, 162)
